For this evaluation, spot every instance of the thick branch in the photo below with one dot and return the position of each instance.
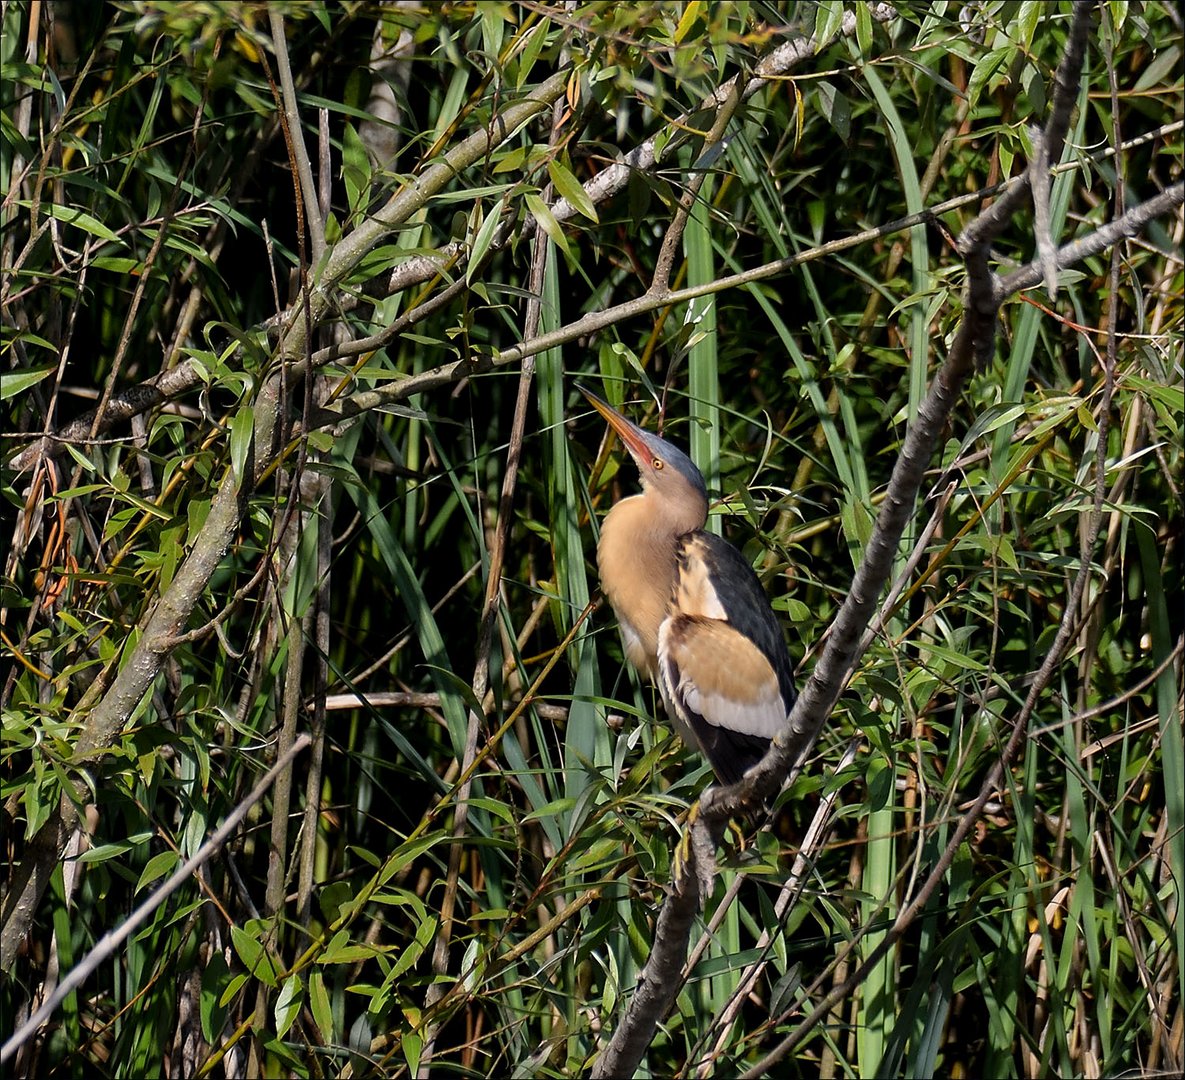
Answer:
(657, 985)
(814, 706)
(973, 340)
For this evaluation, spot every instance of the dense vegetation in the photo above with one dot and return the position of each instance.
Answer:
(298, 293)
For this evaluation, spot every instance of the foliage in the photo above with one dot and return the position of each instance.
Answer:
(397, 899)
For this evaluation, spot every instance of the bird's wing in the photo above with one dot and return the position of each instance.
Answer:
(717, 682)
(713, 579)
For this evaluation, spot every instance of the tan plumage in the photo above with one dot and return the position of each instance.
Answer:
(693, 616)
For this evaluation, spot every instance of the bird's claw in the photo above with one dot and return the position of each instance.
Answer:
(694, 862)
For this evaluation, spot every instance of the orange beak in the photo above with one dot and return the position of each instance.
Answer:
(634, 438)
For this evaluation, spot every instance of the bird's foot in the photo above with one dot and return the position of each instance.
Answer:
(694, 863)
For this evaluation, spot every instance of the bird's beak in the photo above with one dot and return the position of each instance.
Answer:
(632, 436)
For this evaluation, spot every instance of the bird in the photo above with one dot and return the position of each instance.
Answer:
(693, 616)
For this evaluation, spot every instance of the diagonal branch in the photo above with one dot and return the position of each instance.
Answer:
(608, 182)
(973, 341)
(111, 941)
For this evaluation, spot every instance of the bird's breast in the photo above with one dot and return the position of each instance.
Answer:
(637, 566)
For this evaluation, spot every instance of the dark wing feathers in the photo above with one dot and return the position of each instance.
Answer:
(730, 753)
(724, 671)
(747, 607)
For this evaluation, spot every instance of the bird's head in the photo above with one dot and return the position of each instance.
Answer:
(668, 475)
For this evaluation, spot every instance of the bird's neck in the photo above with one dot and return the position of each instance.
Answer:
(636, 558)
(645, 532)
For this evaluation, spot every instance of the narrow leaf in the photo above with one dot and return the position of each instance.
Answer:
(546, 221)
(242, 427)
(17, 382)
(571, 189)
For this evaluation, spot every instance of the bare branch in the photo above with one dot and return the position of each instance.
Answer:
(985, 295)
(1130, 224)
(1042, 226)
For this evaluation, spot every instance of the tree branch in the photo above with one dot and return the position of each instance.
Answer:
(295, 133)
(111, 941)
(973, 340)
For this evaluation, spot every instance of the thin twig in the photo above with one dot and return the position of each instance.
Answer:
(295, 133)
(789, 893)
(312, 801)
(490, 604)
(661, 280)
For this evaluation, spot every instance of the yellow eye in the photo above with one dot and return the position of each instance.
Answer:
(657, 463)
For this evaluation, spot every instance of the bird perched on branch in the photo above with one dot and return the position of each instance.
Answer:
(693, 615)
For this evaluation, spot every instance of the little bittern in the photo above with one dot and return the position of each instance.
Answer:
(693, 615)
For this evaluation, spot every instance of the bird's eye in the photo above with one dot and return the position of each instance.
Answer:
(657, 463)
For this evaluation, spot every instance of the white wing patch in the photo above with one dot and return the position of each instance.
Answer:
(710, 670)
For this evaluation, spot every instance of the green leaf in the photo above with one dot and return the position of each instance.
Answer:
(215, 976)
(412, 1045)
(232, 988)
(320, 1006)
(1026, 22)
(482, 242)
(555, 808)
(571, 189)
(690, 14)
(73, 215)
(863, 29)
(836, 108)
(156, 867)
(123, 266)
(252, 953)
(242, 429)
(332, 897)
(828, 21)
(536, 39)
(546, 221)
(288, 1004)
(104, 852)
(18, 381)
(984, 70)
(356, 169)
